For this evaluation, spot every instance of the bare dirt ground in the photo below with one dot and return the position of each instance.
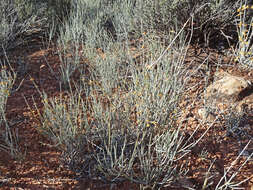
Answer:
(41, 168)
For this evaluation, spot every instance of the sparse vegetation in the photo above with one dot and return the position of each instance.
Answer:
(8, 136)
(244, 22)
(122, 76)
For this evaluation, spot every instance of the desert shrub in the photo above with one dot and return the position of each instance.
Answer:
(94, 25)
(25, 9)
(17, 17)
(7, 81)
(211, 19)
(57, 12)
(120, 123)
(244, 24)
(8, 137)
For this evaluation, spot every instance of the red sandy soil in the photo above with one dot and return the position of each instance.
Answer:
(41, 168)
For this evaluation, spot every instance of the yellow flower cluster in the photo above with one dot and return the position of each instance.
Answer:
(5, 92)
(151, 123)
(243, 8)
(244, 35)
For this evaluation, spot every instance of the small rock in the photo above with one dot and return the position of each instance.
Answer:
(227, 93)
(227, 87)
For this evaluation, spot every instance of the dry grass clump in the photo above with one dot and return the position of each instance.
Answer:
(244, 49)
(18, 19)
(117, 119)
(8, 136)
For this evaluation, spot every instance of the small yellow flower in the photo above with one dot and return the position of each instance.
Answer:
(242, 53)
(45, 100)
(239, 10)
(244, 7)
(4, 83)
(245, 32)
(160, 95)
(154, 123)
(138, 113)
(6, 91)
